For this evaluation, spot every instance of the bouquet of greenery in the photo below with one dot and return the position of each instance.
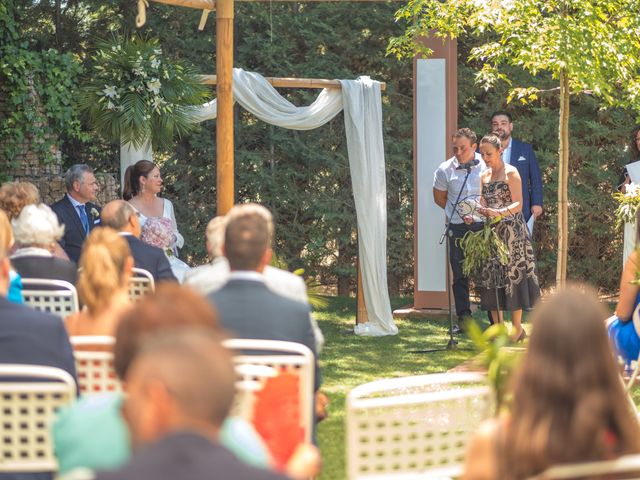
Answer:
(133, 94)
(628, 204)
(483, 247)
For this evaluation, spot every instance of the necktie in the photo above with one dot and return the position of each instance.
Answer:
(83, 218)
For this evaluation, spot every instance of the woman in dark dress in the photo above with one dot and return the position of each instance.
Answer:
(514, 286)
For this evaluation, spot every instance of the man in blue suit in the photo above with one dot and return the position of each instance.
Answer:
(520, 155)
(76, 211)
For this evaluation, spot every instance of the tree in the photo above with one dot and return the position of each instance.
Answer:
(588, 46)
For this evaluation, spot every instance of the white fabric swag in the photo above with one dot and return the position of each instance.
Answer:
(362, 106)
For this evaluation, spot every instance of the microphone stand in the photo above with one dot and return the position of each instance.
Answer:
(452, 343)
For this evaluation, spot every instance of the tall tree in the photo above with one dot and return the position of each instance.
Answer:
(588, 46)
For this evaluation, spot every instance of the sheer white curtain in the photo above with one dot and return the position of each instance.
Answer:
(363, 125)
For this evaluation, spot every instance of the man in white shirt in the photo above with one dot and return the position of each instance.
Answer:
(459, 179)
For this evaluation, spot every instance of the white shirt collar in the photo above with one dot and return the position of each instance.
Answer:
(246, 275)
(74, 202)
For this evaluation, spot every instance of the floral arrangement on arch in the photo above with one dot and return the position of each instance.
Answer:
(158, 231)
(133, 93)
(628, 204)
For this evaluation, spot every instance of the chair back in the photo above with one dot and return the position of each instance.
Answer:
(140, 284)
(275, 391)
(57, 297)
(94, 364)
(29, 397)
(627, 466)
(414, 426)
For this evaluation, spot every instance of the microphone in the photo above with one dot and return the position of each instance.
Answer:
(467, 166)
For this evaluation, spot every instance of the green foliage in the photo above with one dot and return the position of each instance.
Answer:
(132, 94)
(38, 88)
(482, 246)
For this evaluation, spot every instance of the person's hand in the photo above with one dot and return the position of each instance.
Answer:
(536, 210)
(305, 462)
(468, 219)
(487, 212)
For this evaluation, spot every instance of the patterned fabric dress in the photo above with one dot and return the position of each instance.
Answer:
(513, 286)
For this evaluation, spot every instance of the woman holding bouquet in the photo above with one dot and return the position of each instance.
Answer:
(142, 184)
(513, 286)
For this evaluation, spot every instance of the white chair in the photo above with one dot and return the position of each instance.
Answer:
(140, 284)
(95, 367)
(414, 427)
(53, 296)
(29, 397)
(627, 466)
(267, 359)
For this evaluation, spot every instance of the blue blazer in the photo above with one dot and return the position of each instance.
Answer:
(151, 258)
(74, 234)
(524, 159)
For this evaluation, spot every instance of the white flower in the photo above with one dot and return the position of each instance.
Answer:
(157, 51)
(157, 102)
(154, 85)
(632, 190)
(110, 92)
(111, 105)
(155, 63)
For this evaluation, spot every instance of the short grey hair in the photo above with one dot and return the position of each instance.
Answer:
(37, 225)
(75, 174)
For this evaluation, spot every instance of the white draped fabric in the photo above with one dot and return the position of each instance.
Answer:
(363, 125)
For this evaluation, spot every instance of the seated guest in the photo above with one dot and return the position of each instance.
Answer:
(568, 403)
(209, 278)
(76, 210)
(14, 196)
(158, 232)
(247, 308)
(180, 388)
(121, 216)
(103, 285)
(37, 231)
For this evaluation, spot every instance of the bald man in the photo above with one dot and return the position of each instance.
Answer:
(121, 216)
(179, 390)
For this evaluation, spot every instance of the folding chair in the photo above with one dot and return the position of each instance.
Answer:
(94, 364)
(414, 427)
(140, 284)
(275, 392)
(53, 296)
(29, 397)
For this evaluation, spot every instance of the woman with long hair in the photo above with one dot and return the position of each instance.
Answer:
(568, 402)
(105, 269)
(142, 186)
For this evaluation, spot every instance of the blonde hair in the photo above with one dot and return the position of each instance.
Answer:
(102, 268)
(215, 235)
(6, 235)
(14, 196)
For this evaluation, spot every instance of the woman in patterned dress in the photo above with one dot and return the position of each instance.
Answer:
(514, 286)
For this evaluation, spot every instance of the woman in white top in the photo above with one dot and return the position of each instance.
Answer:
(142, 184)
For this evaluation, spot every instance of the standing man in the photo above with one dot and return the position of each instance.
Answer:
(76, 211)
(448, 182)
(520, 155)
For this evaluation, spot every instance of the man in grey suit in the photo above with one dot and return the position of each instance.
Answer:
(212, 276)
(247, 307)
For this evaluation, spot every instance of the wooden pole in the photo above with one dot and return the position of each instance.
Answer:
(224, 122)
(361, 308)
(286, 82)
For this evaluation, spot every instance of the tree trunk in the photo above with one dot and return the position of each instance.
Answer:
(563, 182)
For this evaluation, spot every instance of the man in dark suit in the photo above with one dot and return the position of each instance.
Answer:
(180, 388)
(246, 305)
(520, 155)
(122, 217)
(76, 211)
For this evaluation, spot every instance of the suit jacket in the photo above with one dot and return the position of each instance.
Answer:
(524, 159)
(187, 455)
(74, 234)
(211, 277)
(34, 338)
(150, 258)
(35, 266)
(250, 310)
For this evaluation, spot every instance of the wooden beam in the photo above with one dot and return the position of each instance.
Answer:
(211, 4)
(286, 82)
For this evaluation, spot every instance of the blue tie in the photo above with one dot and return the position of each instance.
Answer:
(83, 218)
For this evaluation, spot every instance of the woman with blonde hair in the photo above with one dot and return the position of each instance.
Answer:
(105, 269)
(568, 404)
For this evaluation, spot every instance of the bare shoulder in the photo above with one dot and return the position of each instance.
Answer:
(511, 172)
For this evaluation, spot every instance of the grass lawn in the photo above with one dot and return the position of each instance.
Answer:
(348, 361)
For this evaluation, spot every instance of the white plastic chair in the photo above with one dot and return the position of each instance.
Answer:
(57, 297)
(414, 427)
(269, 358)
(95, 367)
(27, 408)
(622, 467)
(140, 284)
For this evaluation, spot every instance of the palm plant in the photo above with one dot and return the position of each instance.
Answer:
(132, 94)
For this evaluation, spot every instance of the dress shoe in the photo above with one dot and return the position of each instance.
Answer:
(520, 338)
(457, 330)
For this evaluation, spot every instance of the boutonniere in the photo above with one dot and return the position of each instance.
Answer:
(169, 252)
(94, 213)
